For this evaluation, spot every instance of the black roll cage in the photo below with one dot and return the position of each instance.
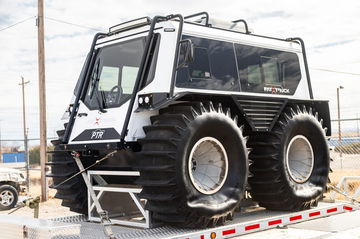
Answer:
(145, 58)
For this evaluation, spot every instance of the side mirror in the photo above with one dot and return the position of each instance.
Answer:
(186, 53)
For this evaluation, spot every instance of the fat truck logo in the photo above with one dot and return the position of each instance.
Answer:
(97, 134)
(277, 90)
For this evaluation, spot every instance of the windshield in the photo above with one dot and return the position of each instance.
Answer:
(114, 74)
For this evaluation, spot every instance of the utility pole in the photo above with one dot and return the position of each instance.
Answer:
(339, 122)
(357, 124)
(42, 98)
(0, 145)
(26, 152)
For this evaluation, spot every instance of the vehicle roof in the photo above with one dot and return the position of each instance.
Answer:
(239, 37)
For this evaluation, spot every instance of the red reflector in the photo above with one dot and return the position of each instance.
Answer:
(228, 232)
(275, 222)
(252, 227)
(313, 214)
(294, 218)
(348, 208)
(331, 210)
(202, 237)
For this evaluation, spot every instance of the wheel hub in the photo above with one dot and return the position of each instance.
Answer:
(208, 165)
(6, 198)
(300, 159)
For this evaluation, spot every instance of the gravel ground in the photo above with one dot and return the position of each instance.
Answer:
(49, 209)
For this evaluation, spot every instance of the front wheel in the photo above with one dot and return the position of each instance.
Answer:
(8, 197)
(193, 165)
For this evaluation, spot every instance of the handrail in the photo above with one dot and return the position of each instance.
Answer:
(80, 90)
(302, 43)
(141, 75)
(199, 14)
(245, 23)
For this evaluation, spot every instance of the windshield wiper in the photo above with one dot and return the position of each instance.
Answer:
(95, 78)
(94, 85)
(102, 102)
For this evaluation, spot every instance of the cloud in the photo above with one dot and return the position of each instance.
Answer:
(331, 44)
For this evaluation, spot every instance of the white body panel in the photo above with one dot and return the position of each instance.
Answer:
(12, 175)
(114, 117)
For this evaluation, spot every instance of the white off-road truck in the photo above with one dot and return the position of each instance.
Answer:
(205, 110)
(12, 182)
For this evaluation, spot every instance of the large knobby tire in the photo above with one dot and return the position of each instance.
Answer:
(180, 187)
(8, 197)
(291, 163)
(73, 193)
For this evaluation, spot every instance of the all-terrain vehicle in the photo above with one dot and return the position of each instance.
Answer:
(12, 182)
(206, 111)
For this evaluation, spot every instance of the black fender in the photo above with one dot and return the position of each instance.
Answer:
(259, 113)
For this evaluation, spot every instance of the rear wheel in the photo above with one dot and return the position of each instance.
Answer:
(193, 165)
(291, 163)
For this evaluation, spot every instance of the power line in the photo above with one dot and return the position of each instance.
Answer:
(17, 23)
(29, 139)
(52, 19)
(339, 72)
(70, 23)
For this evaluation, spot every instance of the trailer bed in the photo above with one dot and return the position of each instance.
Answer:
(252, 220)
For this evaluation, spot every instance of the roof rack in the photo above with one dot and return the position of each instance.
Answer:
(207, 24)
(206, 17)
(245, 23)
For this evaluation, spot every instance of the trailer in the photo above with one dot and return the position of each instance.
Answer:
(249, 221)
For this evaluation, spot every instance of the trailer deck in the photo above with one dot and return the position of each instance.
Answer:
(252, 220)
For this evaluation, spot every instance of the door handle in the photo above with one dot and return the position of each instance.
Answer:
(82, 114)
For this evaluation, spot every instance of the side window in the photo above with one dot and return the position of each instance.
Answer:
(270, 68)
(264, 70)
(213, 68)
(200, 68)
(128, 77)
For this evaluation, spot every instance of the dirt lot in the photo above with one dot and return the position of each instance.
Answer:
(49, 209)
(336, 176)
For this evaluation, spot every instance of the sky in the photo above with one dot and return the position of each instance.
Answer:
(329, 28)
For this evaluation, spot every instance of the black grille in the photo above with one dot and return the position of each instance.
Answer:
(261, 114)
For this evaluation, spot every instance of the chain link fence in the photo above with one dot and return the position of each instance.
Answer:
(345, 152)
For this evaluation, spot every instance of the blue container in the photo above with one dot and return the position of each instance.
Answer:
(13, 157)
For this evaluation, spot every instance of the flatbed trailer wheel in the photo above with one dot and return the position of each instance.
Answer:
(291, 163)
(193, 165)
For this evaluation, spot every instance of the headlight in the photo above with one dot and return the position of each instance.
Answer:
(22, 176)
(147, 99)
